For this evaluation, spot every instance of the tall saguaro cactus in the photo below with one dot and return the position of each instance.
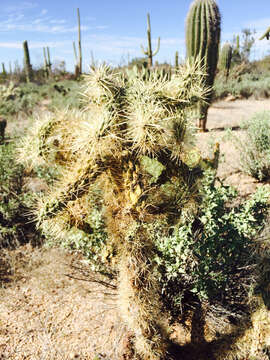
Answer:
(4, 69)
(202, 43)
(27, 65)
(226, 58)
(149, 52)
(176, 60)
(79, 42)
(77, 72)
(47, 61)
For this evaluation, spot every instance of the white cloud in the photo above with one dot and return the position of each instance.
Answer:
(44, 11)
(55, 21)
(34, 44)
(258, 25)
(25, 5)
(39, 25)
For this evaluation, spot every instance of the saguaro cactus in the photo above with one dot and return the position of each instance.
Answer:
(176, 60)
(4, 69)
(78, 58)
(47, 61)
(27, 65)
(149, 51)
(226, 58)
(202, 42)
(79, 42)
(77, 70)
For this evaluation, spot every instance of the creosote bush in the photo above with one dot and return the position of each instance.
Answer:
(211, 256)
(135, 196)
(14, 203)
(254, 149)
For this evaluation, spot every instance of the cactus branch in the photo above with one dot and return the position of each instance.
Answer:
(266, 34)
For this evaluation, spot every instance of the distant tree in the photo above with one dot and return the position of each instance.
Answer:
(247, 43)
(138, 61)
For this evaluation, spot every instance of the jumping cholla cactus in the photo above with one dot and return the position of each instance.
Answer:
(226, 58)
(135, 141)
(149, 53)
(202, 43)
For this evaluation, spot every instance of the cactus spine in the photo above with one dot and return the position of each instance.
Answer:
(202, 43)
(27, 65)
(226, 58)
(176, 62)
(149, 53)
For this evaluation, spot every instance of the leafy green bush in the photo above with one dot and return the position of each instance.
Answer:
(25, 97)
(210, 256)
(244, 84)
(14, 204)
(255, 148)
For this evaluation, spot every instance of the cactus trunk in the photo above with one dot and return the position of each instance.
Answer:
(27, 64)
(202, 43)
(45, 68)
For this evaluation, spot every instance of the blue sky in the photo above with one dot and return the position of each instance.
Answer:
(114, 29)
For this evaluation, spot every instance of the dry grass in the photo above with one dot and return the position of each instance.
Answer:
(52, 308)
(223, 115)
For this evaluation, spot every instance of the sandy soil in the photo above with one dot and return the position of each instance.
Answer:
(223, 115)
(52, 308)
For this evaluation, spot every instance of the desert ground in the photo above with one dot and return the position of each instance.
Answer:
(53, 307)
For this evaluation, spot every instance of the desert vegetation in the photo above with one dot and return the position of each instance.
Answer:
(134, 204)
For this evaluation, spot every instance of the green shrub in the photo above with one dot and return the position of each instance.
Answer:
(24, 97)
(211, 256)
(14, 204)
(254, 149)
(245, 81)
